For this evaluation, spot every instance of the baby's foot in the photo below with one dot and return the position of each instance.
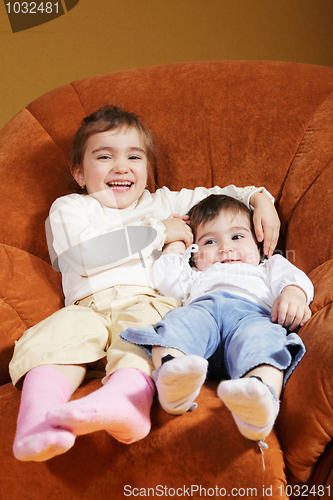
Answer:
(42, 442)
(179, 381)
(252, 404)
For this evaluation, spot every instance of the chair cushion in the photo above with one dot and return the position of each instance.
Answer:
(30, 290)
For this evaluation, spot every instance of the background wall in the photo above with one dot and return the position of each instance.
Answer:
(100, 36)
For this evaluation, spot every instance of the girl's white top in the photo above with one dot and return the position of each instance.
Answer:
(96, 247)
(261, 284)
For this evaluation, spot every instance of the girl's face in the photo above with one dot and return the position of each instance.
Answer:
(227, 239)
(114, 167)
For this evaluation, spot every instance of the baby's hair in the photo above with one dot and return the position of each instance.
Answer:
(109, 118)
(210, 208)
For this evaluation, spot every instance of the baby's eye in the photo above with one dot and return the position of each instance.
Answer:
(104, 157)
(237, 237)
(210, 242)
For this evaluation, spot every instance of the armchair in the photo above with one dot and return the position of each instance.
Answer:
(216, 123)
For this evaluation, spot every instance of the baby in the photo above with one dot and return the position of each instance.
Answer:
(238, 309)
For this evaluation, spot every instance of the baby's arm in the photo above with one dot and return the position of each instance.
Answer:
(266, 222)
(172, 274)
(290, 308)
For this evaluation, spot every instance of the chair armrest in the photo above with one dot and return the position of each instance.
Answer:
(30, 290)
(305, 422)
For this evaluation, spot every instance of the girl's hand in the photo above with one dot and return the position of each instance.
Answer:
(266, 222)
(176, 247)
(177, 229)
(290, 309)
(185, 218)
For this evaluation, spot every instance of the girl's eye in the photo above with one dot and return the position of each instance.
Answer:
(104, 157)
(134, 157)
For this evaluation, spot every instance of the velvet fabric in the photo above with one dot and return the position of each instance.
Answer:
(215, 123)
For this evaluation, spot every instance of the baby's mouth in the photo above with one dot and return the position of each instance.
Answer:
(120, 185)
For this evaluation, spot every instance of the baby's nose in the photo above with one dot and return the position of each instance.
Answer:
(225, 247)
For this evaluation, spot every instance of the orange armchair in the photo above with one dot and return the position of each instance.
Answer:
(216, 123)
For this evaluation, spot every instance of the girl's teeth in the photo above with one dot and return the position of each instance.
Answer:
(119, 184)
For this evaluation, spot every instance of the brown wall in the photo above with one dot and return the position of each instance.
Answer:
(101, 36)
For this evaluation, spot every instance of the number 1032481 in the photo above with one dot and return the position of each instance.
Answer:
(32, 7)
(306, 491)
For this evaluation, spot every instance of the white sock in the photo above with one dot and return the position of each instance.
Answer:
(252, 404)
(179, 381)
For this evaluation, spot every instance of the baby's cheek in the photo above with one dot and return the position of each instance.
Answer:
(203, 261)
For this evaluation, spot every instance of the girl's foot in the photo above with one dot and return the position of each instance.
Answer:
(42, 443)
(44, 389)
(121, 407)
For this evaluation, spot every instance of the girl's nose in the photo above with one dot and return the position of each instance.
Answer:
(121, 166)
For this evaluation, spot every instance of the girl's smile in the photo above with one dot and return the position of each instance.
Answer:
(114, 167)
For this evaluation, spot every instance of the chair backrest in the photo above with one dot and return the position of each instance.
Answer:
(232, 122)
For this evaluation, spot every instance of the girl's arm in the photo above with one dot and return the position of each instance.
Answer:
(181, 201)
(75, 244)
(176, 247)
(267, 224)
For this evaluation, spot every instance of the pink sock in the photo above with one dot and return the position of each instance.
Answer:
(121, 407)
(44, 389)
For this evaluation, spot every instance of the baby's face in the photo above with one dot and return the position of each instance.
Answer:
(114, 168)
(227, 239)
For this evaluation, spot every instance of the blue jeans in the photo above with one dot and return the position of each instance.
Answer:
(233, 333)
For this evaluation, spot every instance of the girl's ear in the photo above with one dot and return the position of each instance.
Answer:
(77, 173)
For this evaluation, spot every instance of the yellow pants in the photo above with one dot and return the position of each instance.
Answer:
(88, 331)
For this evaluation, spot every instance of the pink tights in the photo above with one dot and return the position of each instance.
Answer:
(47, 424)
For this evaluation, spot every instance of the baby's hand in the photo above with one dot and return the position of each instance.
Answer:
(177, 229)
(290, 309)
(266, 222)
